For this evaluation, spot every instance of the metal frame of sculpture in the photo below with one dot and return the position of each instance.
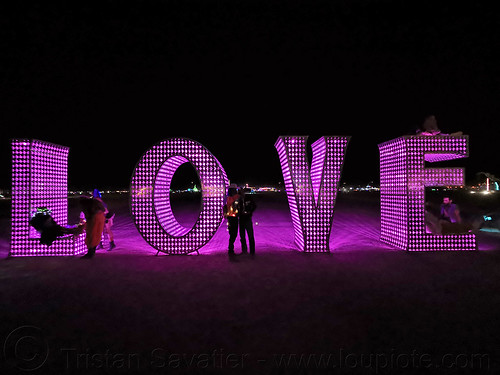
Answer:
(403, 178)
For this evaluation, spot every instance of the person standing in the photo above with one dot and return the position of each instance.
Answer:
(108, 223)
(94, 213)
(246, 208)
(231, 213)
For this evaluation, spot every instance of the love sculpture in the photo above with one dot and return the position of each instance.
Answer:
(150, 196)
(403, 178)
(39, 179)
(312, 192)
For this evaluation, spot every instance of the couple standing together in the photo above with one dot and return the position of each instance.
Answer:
(238, 212)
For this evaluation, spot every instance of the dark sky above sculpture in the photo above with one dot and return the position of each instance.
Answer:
(112, 78)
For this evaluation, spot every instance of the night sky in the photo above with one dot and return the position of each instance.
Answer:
(111, 78)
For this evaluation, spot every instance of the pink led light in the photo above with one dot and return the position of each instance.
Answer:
(150, 196)
(403, 179)
(312, 192)
(39, 179)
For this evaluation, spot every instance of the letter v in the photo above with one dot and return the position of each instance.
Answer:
(312, 192)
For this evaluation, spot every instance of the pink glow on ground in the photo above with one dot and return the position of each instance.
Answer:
(356, 228)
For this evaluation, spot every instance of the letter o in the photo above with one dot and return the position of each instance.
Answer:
(150, 196)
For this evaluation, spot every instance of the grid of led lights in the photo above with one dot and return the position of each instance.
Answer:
(39, 179)
(312, 192)
(150, 196)
(403, 178)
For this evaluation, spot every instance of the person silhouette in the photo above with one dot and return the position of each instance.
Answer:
(108, 223)
(94, 214)
(231, 213)
(246, 208)
(49, 230)
(430, 128)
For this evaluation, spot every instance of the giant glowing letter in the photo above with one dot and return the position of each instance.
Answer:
(40, 179)
(403, 178)
(150, 196)
(312, 192)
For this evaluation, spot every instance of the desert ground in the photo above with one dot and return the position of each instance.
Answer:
(365, 307)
